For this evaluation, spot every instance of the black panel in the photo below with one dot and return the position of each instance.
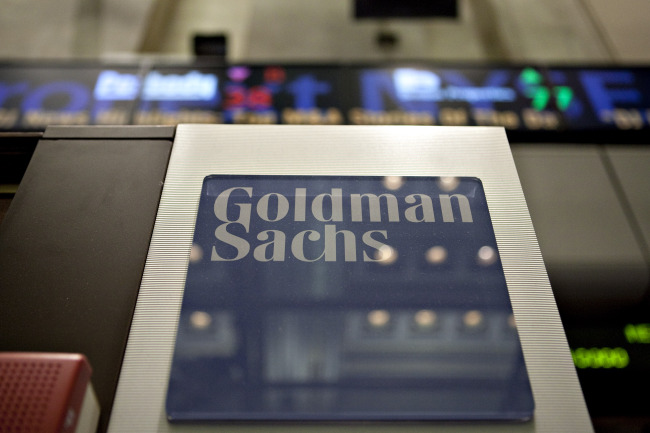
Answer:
(405, 8)
(16, 150)
(73, 247)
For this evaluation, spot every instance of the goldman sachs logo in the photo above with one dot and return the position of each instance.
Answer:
(304, 228)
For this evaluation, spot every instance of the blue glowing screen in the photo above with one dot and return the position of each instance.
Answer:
(346, 298)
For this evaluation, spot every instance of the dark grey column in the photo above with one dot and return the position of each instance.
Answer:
(74, 241)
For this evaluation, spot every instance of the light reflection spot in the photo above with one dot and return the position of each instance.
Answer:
(486, 256)
(436, 255)
(196, 253)
(378, 318)
(386, 255)
(448, 183)
(473, 319)
(425, 318)
(393, 182)
(200, 319)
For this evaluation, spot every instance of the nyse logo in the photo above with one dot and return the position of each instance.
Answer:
(421, 85)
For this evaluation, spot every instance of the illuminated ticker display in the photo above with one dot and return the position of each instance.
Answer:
(170, 96)
(600, 357)
(637, 333)
(522, 98)
(612, 360)
(275, 94)
(631, 337)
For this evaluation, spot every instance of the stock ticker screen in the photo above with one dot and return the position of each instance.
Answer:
(522, 98)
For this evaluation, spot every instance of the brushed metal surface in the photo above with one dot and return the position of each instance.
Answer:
(200, 150)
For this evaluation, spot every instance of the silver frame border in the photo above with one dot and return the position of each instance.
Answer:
(483, 152)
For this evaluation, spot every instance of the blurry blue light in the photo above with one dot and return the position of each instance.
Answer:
(419, 85)
(416, 85)
(114, 86)
(193, 86)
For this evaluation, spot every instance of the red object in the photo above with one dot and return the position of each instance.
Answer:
(259, 97)
(274, 74)
(42, 392)
(235, 97)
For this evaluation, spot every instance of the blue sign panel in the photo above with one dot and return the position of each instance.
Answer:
(346, 298)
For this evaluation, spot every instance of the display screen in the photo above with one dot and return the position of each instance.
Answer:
(346, 298)
(456, 97)
(523, 99)
(612, 359)
(32, 97)
(601, 98)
